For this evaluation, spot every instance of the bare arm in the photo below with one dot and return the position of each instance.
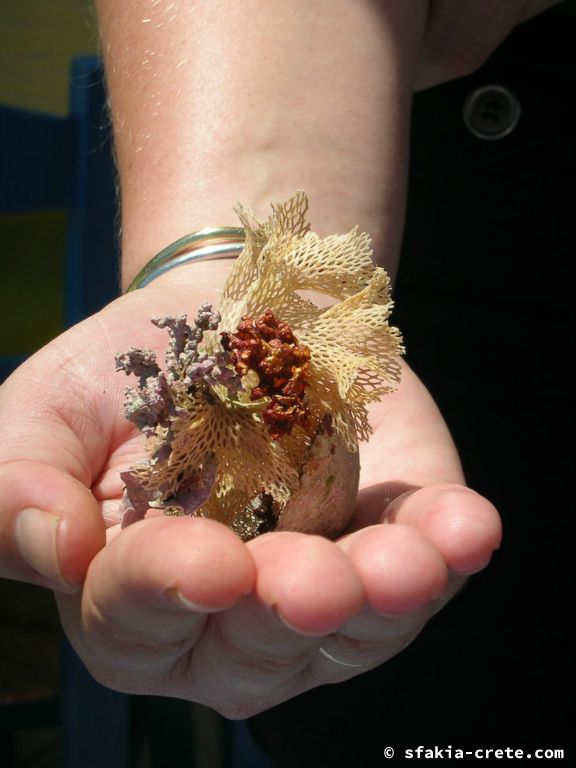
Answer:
(216, 102)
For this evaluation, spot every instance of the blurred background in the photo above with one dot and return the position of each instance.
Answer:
(39, 39)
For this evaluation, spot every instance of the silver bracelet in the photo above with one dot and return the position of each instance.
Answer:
(204, 245)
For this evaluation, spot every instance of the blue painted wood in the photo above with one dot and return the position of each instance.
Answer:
(95, 721)
(48, 163)
(92, 253)
(246, 753)
(35, 173)
(36, 161)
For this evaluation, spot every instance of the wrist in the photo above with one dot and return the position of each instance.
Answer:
(208, 244)
(204, 278)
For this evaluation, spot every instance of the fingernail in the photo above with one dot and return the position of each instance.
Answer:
(299, 630)
(35, 532)
(175, 596)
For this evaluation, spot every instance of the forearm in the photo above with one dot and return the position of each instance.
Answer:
(219, 102)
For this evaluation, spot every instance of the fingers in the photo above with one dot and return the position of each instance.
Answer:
(323, 597)
(314, 594)
(148, 595)
(308, 580)
(50, 526)
(403, 574)
(464, 526)
(156, 615)
(401, 570)
(364, 642)
(166, 610)
(409, 570)
(306, 588)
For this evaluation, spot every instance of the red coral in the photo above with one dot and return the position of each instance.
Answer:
(269, 347)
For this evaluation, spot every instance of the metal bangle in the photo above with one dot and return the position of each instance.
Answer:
(204, 245)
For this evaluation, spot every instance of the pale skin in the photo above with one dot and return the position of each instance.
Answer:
(181, 607)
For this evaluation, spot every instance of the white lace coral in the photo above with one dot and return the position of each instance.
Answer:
(257, 425)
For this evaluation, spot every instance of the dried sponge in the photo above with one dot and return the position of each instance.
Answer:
(256, 419)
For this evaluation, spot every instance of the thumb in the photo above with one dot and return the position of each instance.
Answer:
(50, 526)
(50, 523)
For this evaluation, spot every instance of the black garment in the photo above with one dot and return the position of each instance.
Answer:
(483, 300)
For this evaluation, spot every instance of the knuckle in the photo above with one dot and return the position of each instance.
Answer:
(113, 649)
(271, 665)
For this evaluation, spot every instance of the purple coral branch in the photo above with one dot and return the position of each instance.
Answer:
(152, 404)
(185, 339)
(141, 362)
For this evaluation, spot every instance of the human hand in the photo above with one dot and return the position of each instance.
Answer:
(461, 34)
(180, 606)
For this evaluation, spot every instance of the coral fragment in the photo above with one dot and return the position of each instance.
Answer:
(256, 417)
(270, 349)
